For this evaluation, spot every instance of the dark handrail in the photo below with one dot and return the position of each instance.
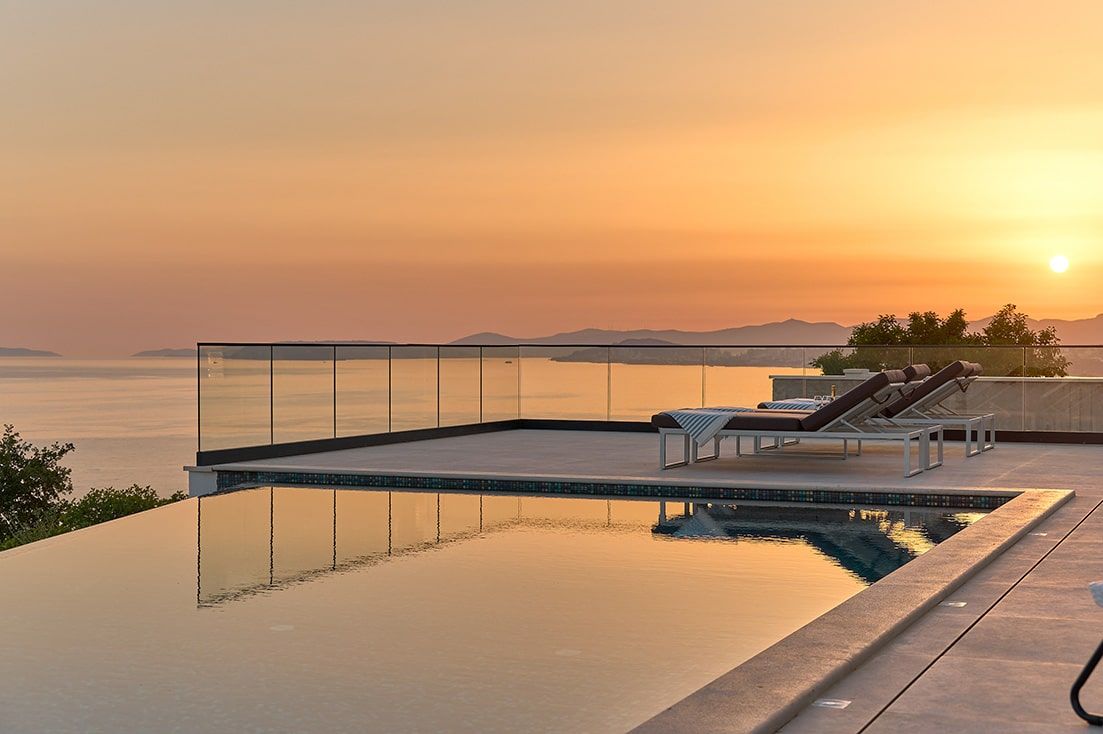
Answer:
(544, 345)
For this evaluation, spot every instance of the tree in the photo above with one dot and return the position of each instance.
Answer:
(34, 488)
(1043, 357)
(32, 480)
(887, 343)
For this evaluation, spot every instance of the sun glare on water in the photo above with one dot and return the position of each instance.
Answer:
(1059, 263)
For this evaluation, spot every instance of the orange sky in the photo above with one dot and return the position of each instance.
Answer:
(417, 171)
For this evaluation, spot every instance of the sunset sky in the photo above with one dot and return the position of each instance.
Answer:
(174, 171)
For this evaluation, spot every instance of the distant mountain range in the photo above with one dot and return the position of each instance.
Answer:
(793, 332)
(1070, 331)
(790, 331)
(21, 352)
(778, 333)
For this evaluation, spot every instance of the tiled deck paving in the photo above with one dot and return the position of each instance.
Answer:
(1003, 662)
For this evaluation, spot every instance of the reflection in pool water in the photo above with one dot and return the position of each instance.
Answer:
(260, 539)
(322, 610)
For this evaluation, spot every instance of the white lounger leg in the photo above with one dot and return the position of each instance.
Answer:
(937, 432)
(924, 458)
(971, 428)
(663, 434)
(696, 457)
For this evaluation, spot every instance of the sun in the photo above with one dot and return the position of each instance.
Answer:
(1058, 263)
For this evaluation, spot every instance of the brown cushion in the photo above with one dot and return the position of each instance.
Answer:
(846, 402)
(952, 371)
(916, 372)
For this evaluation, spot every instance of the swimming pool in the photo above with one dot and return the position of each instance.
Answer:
(301, 609)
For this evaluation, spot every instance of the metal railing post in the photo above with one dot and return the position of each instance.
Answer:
(1023, 390)
(608, 383)
(704, 359)
(198, 398)
(271, 394)
(803, 375)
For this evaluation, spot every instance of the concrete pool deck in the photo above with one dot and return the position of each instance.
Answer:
(1002, 661)
(613, 456)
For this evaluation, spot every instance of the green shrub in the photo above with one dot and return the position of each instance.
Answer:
(33, 489)
(107, 503)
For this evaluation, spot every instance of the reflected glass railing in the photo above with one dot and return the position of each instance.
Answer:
(263, 394)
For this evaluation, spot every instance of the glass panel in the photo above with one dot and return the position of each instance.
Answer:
(838, 370)
(413, 388)
(459, 386)
(302, 532)
(645, 380)
(501, 372)
(363, 383)
(1083, 361)
(302, 393)
(363, 525)
(746, 376)
(1063, 390)
(1072, 402)
(234, 398)
(234, 552)
(998, 391)
(565, 382)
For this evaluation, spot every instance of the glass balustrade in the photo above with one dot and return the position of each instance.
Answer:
(255, 395)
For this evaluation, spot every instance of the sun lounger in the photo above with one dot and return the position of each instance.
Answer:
(918, 403)
(921, 404)
(845, 419)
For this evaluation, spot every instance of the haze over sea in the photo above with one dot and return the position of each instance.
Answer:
(132, 420)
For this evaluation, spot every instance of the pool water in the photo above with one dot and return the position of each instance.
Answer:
(343, 610)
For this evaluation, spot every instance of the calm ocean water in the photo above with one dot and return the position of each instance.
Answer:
(134, 420)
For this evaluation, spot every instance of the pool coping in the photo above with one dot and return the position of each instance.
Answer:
(765, 692)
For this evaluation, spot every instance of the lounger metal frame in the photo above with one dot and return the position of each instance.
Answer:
(854, 425)
(922, 435)
(980, 429)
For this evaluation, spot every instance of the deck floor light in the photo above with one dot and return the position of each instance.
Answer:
(1082, 679)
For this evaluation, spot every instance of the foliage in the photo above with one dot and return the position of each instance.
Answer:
(887, 343)
(99, 505)
(45, 525)
(32, 480)
(107, 503)
(33, 485)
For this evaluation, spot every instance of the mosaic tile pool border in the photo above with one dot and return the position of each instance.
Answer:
(228, 480)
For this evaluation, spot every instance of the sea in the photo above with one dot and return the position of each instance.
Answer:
(134, 420)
